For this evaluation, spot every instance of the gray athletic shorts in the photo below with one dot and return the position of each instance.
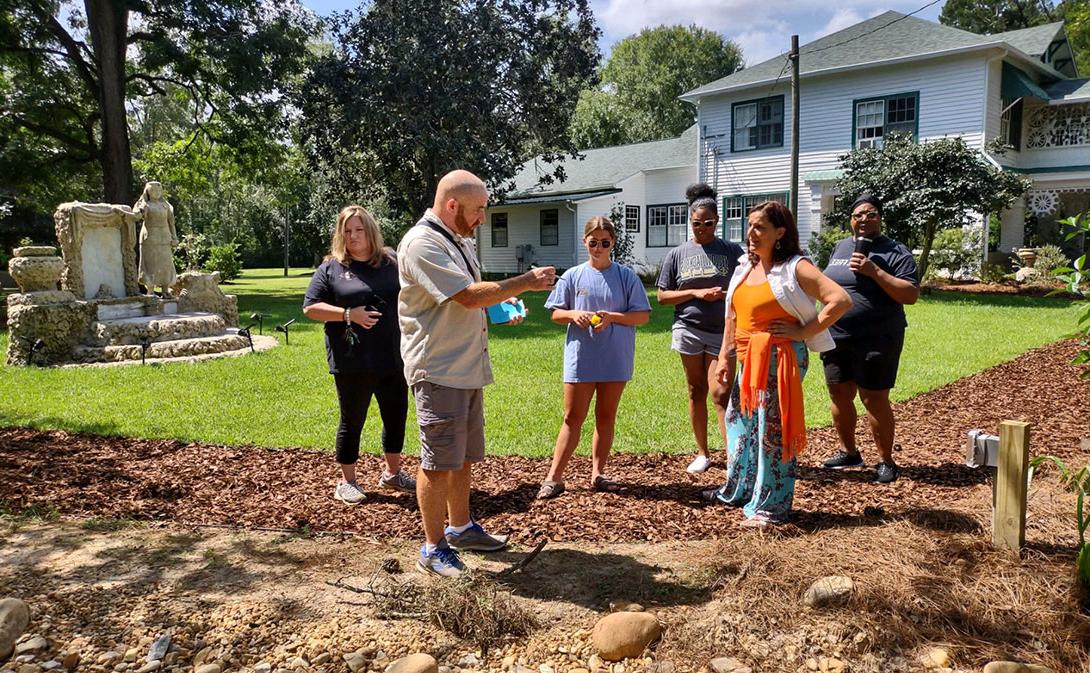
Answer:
(691, 341)
(451, 426)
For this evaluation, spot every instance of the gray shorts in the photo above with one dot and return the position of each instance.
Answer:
(451, 426)
(691, 341)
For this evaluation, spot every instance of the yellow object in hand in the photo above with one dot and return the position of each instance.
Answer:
(596, 320)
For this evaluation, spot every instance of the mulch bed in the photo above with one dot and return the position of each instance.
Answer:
(252, 487)
(1004, 288)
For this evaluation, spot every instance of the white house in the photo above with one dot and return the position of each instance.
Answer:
(891, 73)
(898, 73)
(543, 224)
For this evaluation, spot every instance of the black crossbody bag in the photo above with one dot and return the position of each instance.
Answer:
(446, 234)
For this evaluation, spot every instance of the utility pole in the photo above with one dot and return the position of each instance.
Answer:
(794, 56)
(287, 239)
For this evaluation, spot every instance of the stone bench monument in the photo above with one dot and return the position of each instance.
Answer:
(85, 306)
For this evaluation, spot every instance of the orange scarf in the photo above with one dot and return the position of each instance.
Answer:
(755, 349)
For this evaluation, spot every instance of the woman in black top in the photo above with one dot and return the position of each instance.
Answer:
(880, 275)
(354, 292)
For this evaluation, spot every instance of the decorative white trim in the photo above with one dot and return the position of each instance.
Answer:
(1067, 126)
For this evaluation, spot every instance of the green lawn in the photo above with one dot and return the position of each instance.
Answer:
(285, 397)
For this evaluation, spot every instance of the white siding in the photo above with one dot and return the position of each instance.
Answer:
(524, 227)
(951, 102)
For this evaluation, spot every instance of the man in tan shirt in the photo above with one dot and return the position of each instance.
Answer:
(444, 343)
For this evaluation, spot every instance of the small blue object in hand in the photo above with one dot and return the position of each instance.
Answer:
(505, 311)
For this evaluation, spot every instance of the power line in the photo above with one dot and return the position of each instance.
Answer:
(871, 32)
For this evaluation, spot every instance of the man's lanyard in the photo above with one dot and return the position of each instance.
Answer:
(446, 234)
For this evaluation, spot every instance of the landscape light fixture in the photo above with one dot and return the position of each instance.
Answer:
(145, 343)
(245, 331)
(284, 328)
(260, 318)
(35, 347)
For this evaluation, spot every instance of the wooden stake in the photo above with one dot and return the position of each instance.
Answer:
(1009, 509)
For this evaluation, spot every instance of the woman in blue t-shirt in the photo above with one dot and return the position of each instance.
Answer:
(354, 292)
(601, 302)
(693, 280)
(880, 276)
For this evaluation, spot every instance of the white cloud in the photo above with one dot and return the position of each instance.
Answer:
(762, 28)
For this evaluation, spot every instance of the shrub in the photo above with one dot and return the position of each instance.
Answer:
(226, 260)
(956, 253)
(648, 273)
(192, 251)
(993, 273)
(1049, 258)
(821, 244)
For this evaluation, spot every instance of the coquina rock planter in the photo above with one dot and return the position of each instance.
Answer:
(36, 268)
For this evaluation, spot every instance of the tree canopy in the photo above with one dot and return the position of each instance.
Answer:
(999, 16)
(641, 82)
(69, 75)
(415, 88)
(926, 187)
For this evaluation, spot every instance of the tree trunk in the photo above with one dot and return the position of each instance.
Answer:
(925, 249)
(107, 21)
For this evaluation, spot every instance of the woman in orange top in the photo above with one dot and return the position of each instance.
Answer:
(771, 318)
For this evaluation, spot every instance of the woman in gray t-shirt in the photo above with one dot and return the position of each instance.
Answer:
(693, 279)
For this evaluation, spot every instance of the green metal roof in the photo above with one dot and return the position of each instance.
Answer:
(602, 168)
(1033, 41)
(823, 176)
(888, 36)
(1070, 90)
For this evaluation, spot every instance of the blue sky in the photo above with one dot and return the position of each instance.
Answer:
(763, 28)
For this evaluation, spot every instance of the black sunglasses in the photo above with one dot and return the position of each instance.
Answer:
(594, 243)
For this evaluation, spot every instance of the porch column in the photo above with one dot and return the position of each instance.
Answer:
(1012, 226)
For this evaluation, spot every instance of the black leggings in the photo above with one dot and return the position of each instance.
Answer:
(354, 393)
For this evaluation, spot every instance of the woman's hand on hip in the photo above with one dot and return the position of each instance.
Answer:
(363, 317)
(786, 329)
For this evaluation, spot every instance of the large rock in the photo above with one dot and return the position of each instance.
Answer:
(14, 618)
(414, 663)
(828, 591)
(1015, 667)
(625, 634)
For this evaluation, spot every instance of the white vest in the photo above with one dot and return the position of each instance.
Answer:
(789, 295)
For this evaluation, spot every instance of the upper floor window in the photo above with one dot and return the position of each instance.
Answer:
(499, 230)
(757, 124)
(631, 218)
(876, 118)
(550, 227)
(1010, 123)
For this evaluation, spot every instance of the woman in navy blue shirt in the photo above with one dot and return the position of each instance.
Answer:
(880, 276)
(354, 292)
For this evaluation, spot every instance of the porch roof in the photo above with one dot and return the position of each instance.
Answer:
(1070, 91)
(557, 197)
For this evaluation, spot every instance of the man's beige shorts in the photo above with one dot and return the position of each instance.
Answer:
(451, 425)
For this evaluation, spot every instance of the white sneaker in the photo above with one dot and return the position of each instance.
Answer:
(700, 464)
(349, 493)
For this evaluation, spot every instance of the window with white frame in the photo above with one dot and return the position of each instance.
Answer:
(736, 212)
(499, 230)
(877, 118)
(757, 124)
(550, 227)
(631, 218)
(667, 225)
(1010, 123)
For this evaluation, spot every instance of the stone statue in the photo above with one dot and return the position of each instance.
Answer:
(158, 239)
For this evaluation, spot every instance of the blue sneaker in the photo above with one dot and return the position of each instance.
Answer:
(443, 561)
(474, 539)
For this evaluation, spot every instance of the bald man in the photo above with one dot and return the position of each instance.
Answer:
(444, 343)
